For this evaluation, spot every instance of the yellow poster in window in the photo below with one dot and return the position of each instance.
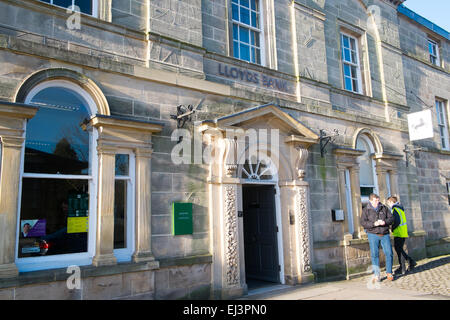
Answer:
(77, 224)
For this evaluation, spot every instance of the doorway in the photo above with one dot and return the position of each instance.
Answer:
(260, 235)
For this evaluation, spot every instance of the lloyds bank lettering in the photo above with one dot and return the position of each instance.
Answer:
(252, 77)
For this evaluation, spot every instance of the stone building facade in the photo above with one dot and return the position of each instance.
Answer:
(334, 80)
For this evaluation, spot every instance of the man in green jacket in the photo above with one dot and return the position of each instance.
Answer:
(400, 232)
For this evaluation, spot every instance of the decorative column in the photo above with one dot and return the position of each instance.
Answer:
(394, 183)
(9, 188)
(356, 202)
(105, 207)
(342, 195)
(104, 10)
(302, 212)
(381, 177)
(295, 196)
(143, 226)
(12, 123)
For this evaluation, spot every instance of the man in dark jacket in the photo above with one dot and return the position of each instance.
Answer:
(376, 219)
(400, 232)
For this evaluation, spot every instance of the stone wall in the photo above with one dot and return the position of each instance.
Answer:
(121, 282)
(177, 19)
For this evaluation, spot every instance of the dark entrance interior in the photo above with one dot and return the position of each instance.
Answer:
(260, 235)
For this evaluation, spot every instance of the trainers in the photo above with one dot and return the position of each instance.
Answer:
(412, 264)
(399, 271)
(390, 277)
(375, 279)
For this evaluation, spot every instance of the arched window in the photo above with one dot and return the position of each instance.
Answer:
(58, 189)
(367, 176)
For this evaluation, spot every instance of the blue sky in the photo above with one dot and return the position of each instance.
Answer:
(437, 11)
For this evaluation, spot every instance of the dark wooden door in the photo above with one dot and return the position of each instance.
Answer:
(260, 233)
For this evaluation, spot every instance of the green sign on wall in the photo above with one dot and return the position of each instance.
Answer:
(182, 218)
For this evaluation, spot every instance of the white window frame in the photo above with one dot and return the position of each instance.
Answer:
(94, 7)
(436, 56)
(357, 65)
(63, 260)
(125, 254)
(251, 28)
(442, 121)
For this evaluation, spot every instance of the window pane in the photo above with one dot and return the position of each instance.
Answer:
(352, 44)
(355, 85)
(235, 32)
(235, 12)
(53, 217)
(354, 73)
(235, 49)
(244, 35)
(347, 71)
(245, 52)
(245, 3)
(85, 6)
(253, 55)
(255, 38)
(245, 16)
(348, 83)
(345, 42)
(120, 216)
(353, 53)
(253, 4)
(258, 56)
(63, 3)
(55, 141)
(254, 20)
(122, 164)
(347, 55)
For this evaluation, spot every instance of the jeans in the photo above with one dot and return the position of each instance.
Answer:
(374, 243)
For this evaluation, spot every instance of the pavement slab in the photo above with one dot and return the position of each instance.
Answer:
(429, 280)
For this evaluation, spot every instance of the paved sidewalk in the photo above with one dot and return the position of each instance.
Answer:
(430, 280)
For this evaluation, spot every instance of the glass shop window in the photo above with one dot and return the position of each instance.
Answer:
(57, 181)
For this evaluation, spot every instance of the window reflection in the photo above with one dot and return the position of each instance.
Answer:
(55, 141)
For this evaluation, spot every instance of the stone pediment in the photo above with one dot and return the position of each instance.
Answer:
(267, 116)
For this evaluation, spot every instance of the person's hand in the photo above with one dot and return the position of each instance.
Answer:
(382, 223)
(377, 223)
